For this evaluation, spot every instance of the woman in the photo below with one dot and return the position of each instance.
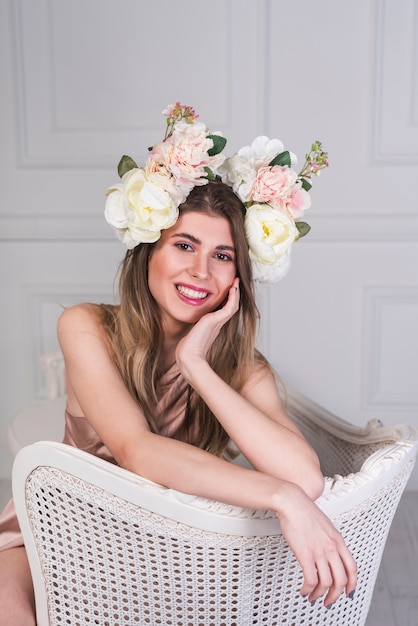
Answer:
(164, 383)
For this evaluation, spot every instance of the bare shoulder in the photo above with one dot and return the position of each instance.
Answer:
(86, 317)
(262, 389)
(83, 337)
(261, 372)
(81, 330)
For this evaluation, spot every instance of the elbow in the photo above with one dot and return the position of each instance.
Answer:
(138, 454)
(314, 484)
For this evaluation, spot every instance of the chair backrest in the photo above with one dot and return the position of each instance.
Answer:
(107, 547)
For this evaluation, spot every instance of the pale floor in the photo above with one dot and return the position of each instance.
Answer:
(395, 599)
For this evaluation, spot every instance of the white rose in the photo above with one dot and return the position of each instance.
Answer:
(272, 273)
(270, 235)
(240, 171)
(262, 150)
(240, 174)
(139, 209)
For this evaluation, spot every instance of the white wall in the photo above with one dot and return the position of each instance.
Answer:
(83, 82)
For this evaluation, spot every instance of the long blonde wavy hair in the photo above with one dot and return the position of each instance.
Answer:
(135, 332)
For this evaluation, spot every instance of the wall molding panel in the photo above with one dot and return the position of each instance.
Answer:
(395, 107)
(55, 228)
(325, 228)
(43, 305)
(363, 228)
(81, 117)
(390, 348)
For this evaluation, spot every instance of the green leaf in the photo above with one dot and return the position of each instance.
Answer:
(282, 159)
(209, 173)
(306, 185)
(125, 165)
(303, 228)
(219, 144)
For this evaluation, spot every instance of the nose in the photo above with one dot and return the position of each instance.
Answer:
(199, 268)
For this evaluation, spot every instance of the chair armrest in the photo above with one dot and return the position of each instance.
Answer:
(94, 513)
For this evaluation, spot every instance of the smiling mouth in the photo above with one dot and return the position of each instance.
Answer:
(191, 293)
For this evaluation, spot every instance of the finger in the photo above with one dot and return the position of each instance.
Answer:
(324, 580)
(351, 571)
(311, 577)
(339, 582)
(235, 283)
(236, 290)
(326, 572)
(231, 305)
(310, 581)
(342, 569)
(233, 293)
(344, 573)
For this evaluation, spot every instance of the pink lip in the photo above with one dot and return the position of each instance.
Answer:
(200, 289)
(189, 300)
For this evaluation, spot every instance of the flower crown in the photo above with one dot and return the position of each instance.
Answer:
(147, 200)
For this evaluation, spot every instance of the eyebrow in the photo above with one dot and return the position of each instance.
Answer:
(198, 242)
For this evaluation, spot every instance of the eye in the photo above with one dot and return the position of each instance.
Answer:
(223, 256)
(183, 245)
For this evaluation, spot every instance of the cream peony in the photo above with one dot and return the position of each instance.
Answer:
(262, 175)
(139, 209)
(270, 235)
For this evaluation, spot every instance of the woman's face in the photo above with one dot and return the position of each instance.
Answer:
(191, 268)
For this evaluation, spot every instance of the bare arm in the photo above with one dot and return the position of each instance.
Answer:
(254, 418)
(257, 424)
(96, 389)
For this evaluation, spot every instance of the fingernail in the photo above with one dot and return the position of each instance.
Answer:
(351, 594)
(329, 606)
(313, 602)
(305, 595)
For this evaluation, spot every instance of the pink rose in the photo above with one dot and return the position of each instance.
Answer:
(185, 155)
(158, 173)
(300, 202)
(174, 161)
(274, 185)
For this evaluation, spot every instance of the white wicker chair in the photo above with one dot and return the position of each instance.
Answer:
(107, 547)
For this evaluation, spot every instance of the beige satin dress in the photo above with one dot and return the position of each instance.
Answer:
(169, 412)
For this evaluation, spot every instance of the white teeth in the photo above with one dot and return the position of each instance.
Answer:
(191, 293)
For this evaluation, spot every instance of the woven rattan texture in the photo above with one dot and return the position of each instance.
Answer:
(336, 455)
(107, 562)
